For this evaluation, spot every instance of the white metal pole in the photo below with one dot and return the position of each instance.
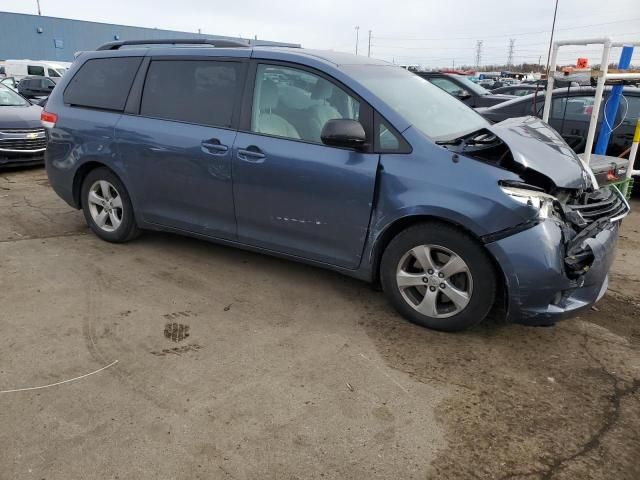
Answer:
(549, 92)
(604, 67)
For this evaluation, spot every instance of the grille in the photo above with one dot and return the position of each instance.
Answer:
(16, 139)
(603, 203)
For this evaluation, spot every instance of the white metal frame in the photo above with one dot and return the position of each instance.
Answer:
(607, 44)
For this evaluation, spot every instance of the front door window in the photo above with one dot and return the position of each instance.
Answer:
(296, 104)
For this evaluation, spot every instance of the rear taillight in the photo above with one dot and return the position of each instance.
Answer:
(48, 119)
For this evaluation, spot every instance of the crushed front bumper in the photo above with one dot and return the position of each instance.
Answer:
(541, 285)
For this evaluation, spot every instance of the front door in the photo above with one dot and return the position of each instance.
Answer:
(178, 150)
(293, 194)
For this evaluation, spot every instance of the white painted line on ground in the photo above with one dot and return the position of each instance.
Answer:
(59, 383)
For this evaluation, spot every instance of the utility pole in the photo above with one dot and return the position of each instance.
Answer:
(478, 53)
(39, 12)
(369, 48)
(553, 28)
(512, 42)
(357, 31)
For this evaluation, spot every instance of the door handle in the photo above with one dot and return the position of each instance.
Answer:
(213, 147)
(251, 154)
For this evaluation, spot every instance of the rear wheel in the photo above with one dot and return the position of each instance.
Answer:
(438, 277)
(107, 206)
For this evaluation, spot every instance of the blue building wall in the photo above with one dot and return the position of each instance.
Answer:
(50, 38)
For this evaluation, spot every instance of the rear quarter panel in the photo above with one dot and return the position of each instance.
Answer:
(80, 135)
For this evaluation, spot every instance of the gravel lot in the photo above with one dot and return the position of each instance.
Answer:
(235, 365)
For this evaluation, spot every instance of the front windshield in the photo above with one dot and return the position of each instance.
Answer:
(9, 98)
(472, 86)
(428, 108)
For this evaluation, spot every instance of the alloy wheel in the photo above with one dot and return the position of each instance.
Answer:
(105, 205)
(434, 280)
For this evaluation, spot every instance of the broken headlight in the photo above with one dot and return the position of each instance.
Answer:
(542, 202)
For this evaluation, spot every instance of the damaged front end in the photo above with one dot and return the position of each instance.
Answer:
(586, 215)
(554, 182)
(579, 215)
(559, 262)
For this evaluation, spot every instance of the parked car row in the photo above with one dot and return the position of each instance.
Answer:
(336, 160)
(570, 118)
(19, 69)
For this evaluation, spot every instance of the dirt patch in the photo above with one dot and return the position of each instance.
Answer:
(192, 347)
(557, 402)
(176, 332)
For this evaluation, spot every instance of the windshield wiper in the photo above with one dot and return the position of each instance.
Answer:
(453, 141)
(479, 137)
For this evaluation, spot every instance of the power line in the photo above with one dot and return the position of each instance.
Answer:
(509, 34)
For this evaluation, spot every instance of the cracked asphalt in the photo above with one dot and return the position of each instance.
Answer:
(211, 362)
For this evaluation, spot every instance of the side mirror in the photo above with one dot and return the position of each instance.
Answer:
(462, 94)
(343, 132)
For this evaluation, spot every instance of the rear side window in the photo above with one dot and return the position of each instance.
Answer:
(572, 108)
(102, 83)
(192, 91)
(35, 70)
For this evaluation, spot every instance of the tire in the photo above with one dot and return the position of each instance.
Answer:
(426, 298)
(107, 207)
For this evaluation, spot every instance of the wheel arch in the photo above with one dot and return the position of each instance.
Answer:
(402, 223)
(82, 172)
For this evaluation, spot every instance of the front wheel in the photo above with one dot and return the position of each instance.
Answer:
(438, 277)
(107, 207)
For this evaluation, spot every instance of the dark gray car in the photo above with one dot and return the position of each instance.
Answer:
(36, 87)
(22, 138)
(518, 90)
(464, 89)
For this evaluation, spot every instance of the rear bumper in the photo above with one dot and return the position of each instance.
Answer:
(539, 292)
(61, 180)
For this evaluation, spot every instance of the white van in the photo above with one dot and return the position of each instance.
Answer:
(39, 68)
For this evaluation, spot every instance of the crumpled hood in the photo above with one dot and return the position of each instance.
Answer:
(20, 117)
(537, 146)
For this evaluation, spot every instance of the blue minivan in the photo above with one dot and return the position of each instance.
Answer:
(337, 160)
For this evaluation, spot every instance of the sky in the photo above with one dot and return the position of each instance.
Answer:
(431, 33)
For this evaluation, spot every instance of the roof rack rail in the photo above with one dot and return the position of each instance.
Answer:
(222, 43)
